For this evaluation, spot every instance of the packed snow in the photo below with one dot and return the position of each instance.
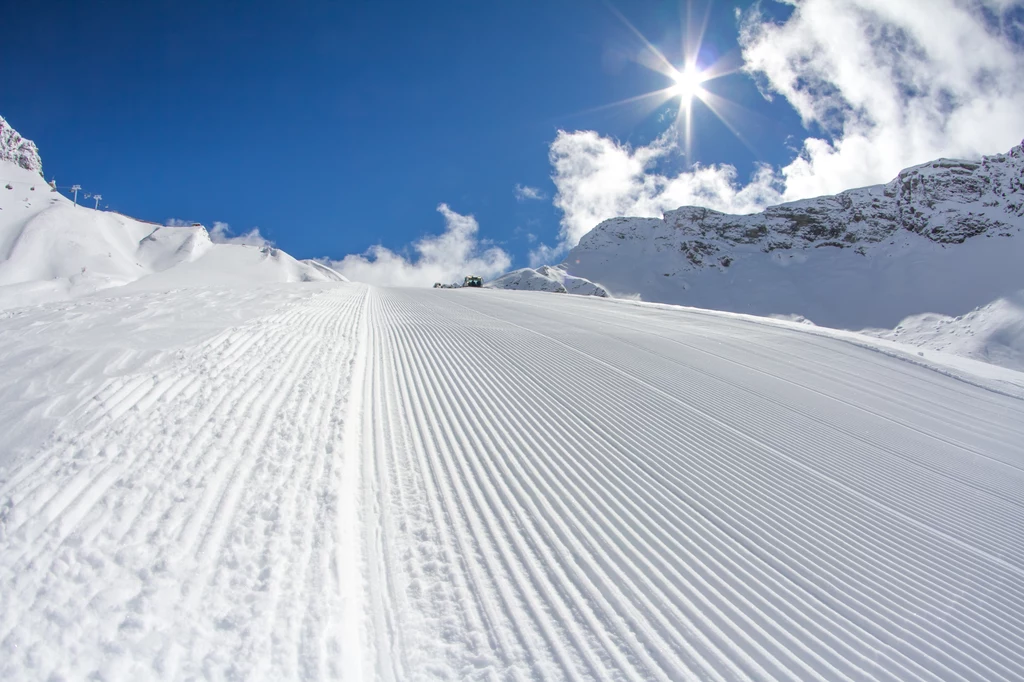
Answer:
(330, 480)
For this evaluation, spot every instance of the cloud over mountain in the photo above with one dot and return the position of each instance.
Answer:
(891, 84)
(446, 257)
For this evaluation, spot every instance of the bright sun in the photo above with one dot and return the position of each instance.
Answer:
(686, 79)
(688, 83)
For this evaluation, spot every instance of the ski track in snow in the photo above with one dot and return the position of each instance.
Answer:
(420, 484)
(185, 523)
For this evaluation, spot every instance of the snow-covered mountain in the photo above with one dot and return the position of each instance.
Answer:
(51, 249)
(551, 278)
(942, 238)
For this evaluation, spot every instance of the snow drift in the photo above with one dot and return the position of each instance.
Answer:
(993, 333)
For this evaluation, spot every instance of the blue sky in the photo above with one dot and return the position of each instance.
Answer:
(336, 126)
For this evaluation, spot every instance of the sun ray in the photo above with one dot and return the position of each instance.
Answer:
(656, 98)
(730, 112)
(664, 65)
(692, 44)
(689, 77)
(726, 65)
(720, 107)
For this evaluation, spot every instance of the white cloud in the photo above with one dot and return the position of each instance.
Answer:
(221, 234)
(544, 254)
(599, 178)
(527, 193)
(893, 83)
(446, 257)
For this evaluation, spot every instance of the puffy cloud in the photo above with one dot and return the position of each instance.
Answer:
(446, 257)
(598, 178)
(527, 193)
(892, 83)
(221, 234)
(895, 83)
(545, 254)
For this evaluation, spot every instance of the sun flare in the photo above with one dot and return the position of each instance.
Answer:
(686, 86)
(687, 83)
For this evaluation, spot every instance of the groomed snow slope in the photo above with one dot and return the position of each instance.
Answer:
(439, 484)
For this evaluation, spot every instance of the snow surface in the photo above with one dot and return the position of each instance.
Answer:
(51, 250)
(331, 480)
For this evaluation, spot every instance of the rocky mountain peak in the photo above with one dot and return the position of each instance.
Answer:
(18, 150)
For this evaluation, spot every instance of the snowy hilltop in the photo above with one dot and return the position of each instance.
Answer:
(941, 240)
(17, 150)
(551, 278)
(51, 249)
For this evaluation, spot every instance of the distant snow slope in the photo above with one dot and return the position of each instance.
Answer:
(551, 278)
(993, 333)
(943, 238)
(340, 481)
(52, 250)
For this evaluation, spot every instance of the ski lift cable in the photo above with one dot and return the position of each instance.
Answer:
(22, 182)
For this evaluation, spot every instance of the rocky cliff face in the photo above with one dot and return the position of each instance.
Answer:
(18, 150)
(946, 201)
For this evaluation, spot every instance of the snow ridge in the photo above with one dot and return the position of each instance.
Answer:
(946, 201)
(551, 278)
(51, 249)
